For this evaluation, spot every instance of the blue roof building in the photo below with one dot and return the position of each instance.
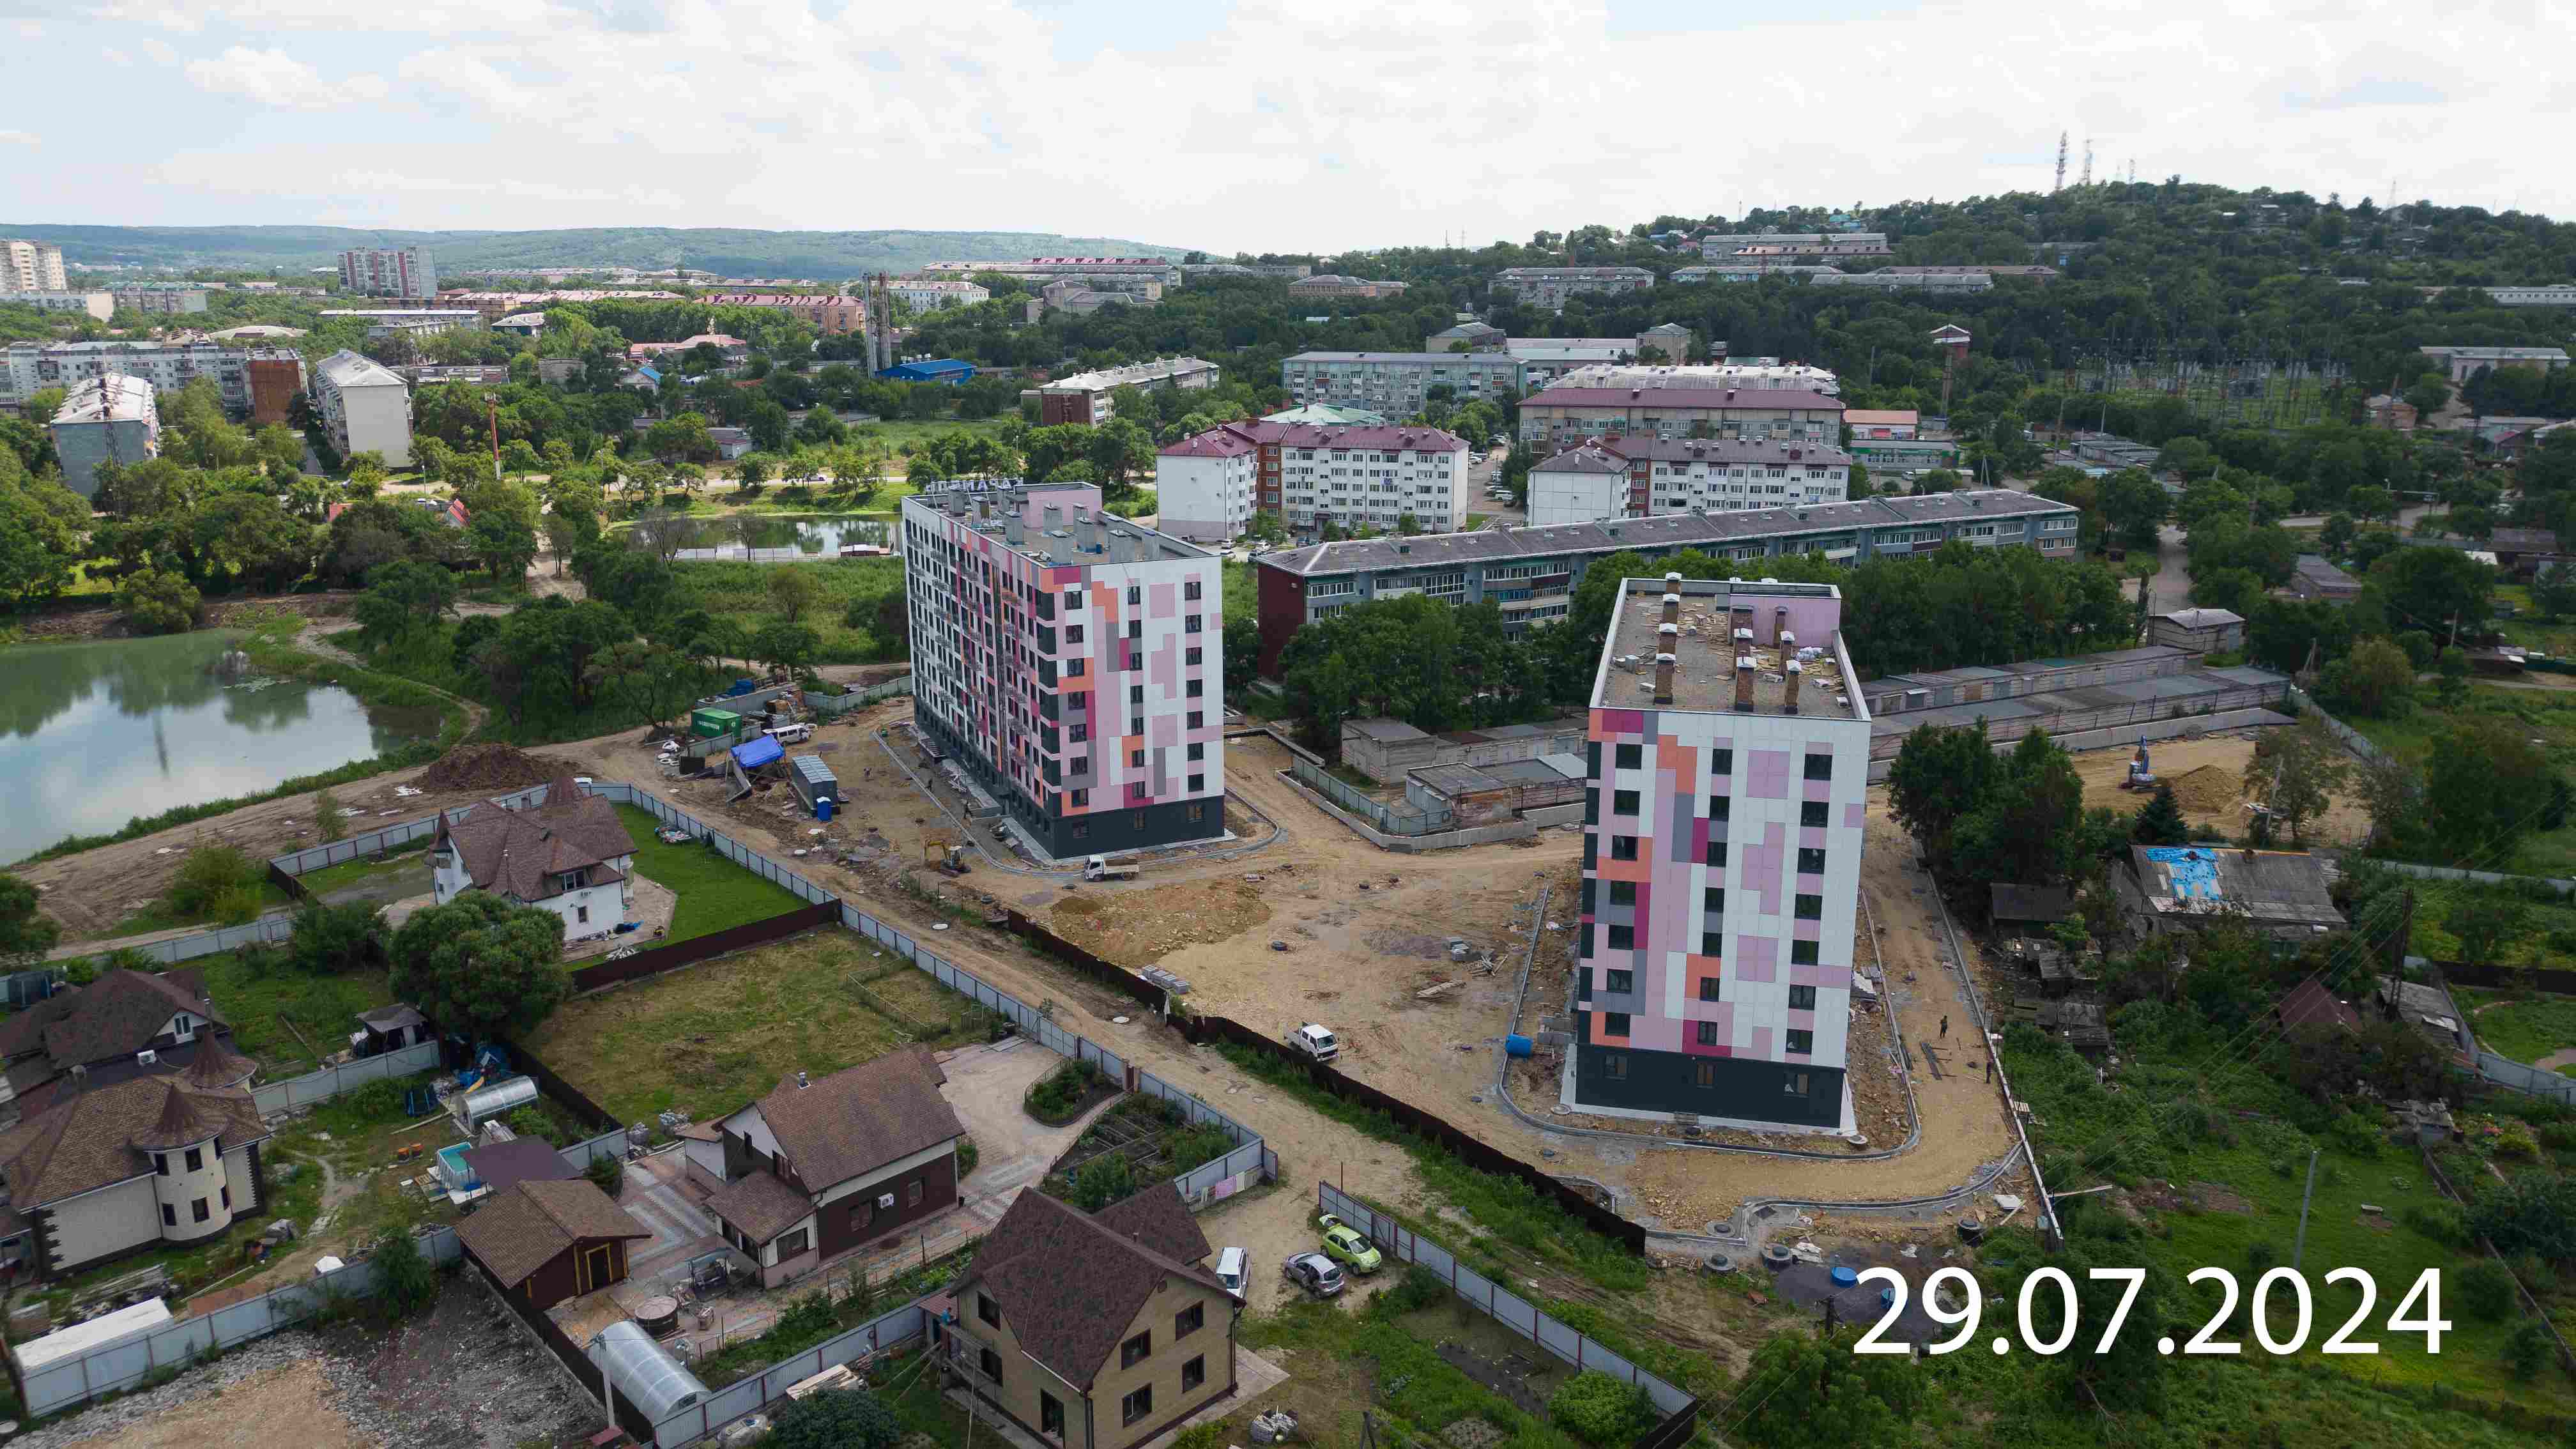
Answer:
(930, 369)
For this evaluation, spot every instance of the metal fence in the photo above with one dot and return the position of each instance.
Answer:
(321, 1086)
(1500, 1303)
(2506, 1072)
(268, 930)
(712, 1413)
(61, 1385)
(1394, 819)
(2351, 737)
(732, 849)
(829, 705)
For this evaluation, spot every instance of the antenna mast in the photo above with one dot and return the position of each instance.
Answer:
(2087, 178)
(2061, 165)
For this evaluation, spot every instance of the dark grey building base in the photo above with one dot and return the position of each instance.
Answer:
(1740, 1089)
(1098, 832)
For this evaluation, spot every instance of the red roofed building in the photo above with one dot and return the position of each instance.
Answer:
(1310, 474)
(1565, 415)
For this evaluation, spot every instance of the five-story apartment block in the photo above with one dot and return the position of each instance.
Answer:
(1073, 662)
(1729, 756)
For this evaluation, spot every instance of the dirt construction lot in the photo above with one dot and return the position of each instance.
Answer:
(2207, 776)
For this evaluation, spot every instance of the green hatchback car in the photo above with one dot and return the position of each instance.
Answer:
(1348, 1246)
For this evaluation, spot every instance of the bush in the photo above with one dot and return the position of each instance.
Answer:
(2442, 1222)
(327, 817)
(847, 1419)
(608, 1175)
(1201, 1436)
(1059, 1095)
(378, 1101)
(2527, 1352)
(329, 939)
(2486, 1289)
(214, 879)
(968, 1154)
(1102, 1181)
(1418, 1289)
(405, 1280)
(1598, 1409)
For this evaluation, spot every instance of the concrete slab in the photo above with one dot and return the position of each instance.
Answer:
(1253, 1377)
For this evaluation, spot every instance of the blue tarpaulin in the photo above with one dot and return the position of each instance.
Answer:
(2194, 869)
(752, 754)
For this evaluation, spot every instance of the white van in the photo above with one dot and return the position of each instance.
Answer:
(792, 734)
(1230, 1265)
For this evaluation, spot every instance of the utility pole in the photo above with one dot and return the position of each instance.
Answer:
(492, 416)
(2299, 1244)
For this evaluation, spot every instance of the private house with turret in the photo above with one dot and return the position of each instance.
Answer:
(570, 855)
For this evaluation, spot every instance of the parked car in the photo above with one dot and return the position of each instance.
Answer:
(1315, 1041)
(1230, 1265)
(1312, 1272)
(1346, 1244)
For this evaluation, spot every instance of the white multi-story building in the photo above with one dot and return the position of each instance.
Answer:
(364, 407)
(1648, 477)
(1397, 383)
(1908, 281)
(1796, 245)
(1372, 477)
(101, 305)
(30, 367)
(1085, 396)
(160, 300)
(32, 266)
(1072, 662)
(1729, 763)
(1748, 373)
(1550, 287)
(1039, 269)
(2556, 294)
(922, 294)
(1204, 485)
(404, 272)
(417, 321)
(1749, 270)
(109, 419)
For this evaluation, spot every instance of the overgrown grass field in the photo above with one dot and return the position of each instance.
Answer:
(740, 591)
(2546, 716)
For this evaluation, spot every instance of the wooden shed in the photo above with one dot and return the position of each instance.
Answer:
(546, 1241)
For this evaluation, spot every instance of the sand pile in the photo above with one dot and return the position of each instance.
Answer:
(489, 767)
(2209, 790)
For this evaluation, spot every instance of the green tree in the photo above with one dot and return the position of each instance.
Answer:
(403, 596)
(651, 679)
(789, 649)
(1103, 1180)
(2440, 590)
(2133, 506)
(2487, 926)
(503, 544)
(2533, 1212)
(332, 939)
(1939, 775)
(406, 1282)
(846, 1419)
(2295, 772)
(26, 933)
(2451, 679)
(1598, 1408)
(2428, 395)
(157, 601)
(792, 591)
(2554, 591)
(2160, 820)
(2376, 678)
(481, 966)
(1815, 1393)
(2482, 780)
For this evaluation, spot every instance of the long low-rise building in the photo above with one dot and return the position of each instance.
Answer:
(1568, 414)
(1650, 477)
(419, 321)
(1749, 373)
(1531, 572)
(1040, 269)
(1751, 269)
(497, 305)
(2556, 294)
(1397, 383)
(1552, 287)
(2460, 363)
(1893, 281)
(30, 367)
(99, 305)
(1332, 284)
(1085, 396)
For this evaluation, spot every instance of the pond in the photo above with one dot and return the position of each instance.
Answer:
(785, 538)
(93, 735)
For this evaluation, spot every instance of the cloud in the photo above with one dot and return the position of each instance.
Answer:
(275, 78)
(17, 138)
(2371, 93)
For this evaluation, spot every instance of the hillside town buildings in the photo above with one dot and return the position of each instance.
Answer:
(1552, 287)
(1210, 485)
(32, 266)
(406, 273)
(1328, 286)
(1805, 247)
(363, 407)
(924, 294)
(29, 367)
(1085, 396)
(1564, 414)
(1071, 662)
(97, 305)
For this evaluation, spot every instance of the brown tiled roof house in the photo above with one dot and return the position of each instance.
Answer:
(547, 1240)
(570, 855)
(817, 1168)
(1102, 1329)
(151, 1160)
(126, 1024)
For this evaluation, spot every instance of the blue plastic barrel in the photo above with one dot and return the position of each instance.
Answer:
(1845, 1277)
(1516, 1045)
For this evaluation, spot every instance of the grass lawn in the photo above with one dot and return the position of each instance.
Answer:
(715, 894)
(2525, 1028)
(1242, 600)
(159, 916)
(711, 1037)
(905, 434)
(267, 1011)
(739, 591)
(364, 869)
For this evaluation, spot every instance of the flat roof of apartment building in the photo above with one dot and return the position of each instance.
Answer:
(1562, 396)
(1712, 670)
(1078, 533)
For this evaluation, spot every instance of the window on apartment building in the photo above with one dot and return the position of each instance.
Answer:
(1197, 783)
(1078, 734)
(1717, 852)
(1619, 983)
(1623, 938)
(1614, 1023)
(1802, 998)
(1135, 1350)
(1190, 589)
(1135, 628)
(1820, 767)
(1703, 1074)
(1708, 985)
(1794, 1084)
(1197, 719)
(1082, 832)
(1136, 694)
(1136, 821)
(1705, 1032)
(161, 1163)
(1073, 668)
(1614, 1066)
(1194, 689)
(1190, 623)
(1197, 813)
(1622, 892)
(1135, 595)
(1073, 598)
(1136, 1405)
(1189, 1320)
(169, 1215)
(1073, 633)
(1629, 757)
(1802, 953)
(1623, 847)
(912, 1193)
(1721, 762)
(1811, 861)
(1081, 798)
(197, 1210)
(1712, 943)
(1720, 807)
(990, 1362)
(1811, 908)
(1197, 752)
(1712, 898)
(1190, 655)
(1194, 1373)
(1801, 1043)
(1623, 802)
(1136, 759)
(1811, 814)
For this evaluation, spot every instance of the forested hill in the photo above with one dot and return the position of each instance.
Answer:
(823, 255)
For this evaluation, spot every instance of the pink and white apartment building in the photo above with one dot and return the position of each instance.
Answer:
(1072, 662)
(1210, 485)
(1729, 756)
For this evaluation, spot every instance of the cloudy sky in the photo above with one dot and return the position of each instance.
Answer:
(1285, 125)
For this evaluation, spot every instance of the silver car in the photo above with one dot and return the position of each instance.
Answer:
(1314, 1273)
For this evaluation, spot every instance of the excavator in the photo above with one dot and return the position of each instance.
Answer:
(2141, 776)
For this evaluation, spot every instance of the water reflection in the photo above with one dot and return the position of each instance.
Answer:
(92, 735)
(752, 535)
